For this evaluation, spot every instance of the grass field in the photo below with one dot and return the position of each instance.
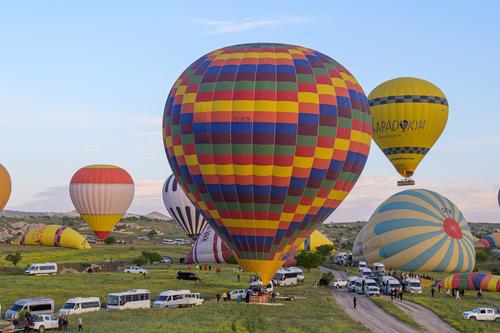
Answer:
(394, 311)
(316, 313)
(450, 309)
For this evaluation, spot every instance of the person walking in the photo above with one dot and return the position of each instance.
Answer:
(80, 324)
(433, 291)
(457, 294)
(480, 293)
(354, 301)
(392, 294)
(218, 297)
(238, 277)
(401, 295)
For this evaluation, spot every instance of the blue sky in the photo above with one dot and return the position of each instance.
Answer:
(86, 82)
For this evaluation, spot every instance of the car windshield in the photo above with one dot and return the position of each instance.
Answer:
(476, 310)
(162, 298)
(372, 284)
(16, 307)
(69, 306)
(415, 284)
(30, 268)
(373, 288)
(113, 300)
(394, 284)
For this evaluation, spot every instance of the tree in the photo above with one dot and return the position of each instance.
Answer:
(110, 240)
(152, 233)
(14, 258)
(309, 259)
(151, 257)
(482, 255)
(325, 250)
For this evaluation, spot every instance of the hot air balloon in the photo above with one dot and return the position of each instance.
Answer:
(471, 281)
(5, 187)
(182, 209)
(267, 140)
(409, 115)
(492, 240)
(417, 230)
(101, 194)
(54, 236)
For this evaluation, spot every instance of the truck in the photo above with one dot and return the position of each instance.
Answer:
(339, 283)
(482, 314)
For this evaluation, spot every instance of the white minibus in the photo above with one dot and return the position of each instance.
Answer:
(48, 268)
(389, 283)
(79, 305)
(38, 305)
(370, 287)
(132, 299)
(284, 277)
(177, 298)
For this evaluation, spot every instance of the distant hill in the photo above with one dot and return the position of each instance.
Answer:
(74, 213)
(158, 216)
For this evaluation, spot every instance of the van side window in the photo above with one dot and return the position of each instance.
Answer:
(88, 305)
(40, 307)
(176, 297)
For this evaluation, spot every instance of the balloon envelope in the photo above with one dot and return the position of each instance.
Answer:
(101, 194)
(267, 140)
(54, 236)
(182, 210)
(409, 115)
(417, 230)
(471, 281)
(5, 187)
(492, 240)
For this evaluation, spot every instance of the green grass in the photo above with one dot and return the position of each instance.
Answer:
(316, 313)
(450, 309)
(389, 307)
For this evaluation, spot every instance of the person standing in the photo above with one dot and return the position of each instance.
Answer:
(224, 296)
(480, 293)
(65, 324)
(238, 277)
(218, 297)
(80, 324)
(401, 295)
(354, 301)
(392, 294)
(433, 291)
(60, 323)
(457, 294)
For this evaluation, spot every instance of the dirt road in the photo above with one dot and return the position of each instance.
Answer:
(367, 312)
(424, 317)
(377, 320)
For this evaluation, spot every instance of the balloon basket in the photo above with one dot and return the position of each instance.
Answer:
(259, 299)
(406, 182)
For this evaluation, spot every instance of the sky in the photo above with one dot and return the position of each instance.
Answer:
(85, 83)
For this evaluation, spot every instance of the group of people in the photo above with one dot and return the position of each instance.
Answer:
(226, 297)
(27, 322)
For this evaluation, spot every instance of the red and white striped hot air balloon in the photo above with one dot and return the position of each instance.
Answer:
(101, 194)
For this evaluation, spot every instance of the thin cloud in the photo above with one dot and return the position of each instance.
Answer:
(227, 26)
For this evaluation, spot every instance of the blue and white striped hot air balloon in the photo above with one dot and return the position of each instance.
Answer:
(417, 230)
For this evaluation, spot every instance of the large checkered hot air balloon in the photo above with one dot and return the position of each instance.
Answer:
(101, 194)
(5, 187)
(409, 115)
(182, 210)
(267, 140)
(417, 230)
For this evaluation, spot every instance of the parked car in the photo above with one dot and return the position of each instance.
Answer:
(362, 264)
(143, 238)
(38, 305)
(44, 322)
(187, 276)
(179, 241)
(166, 260)
(351, 283)
(370, 287)
(48, 268)
(168, 241)
(233, 295)
(339, 283)
(177, 298)
(135, 270)
(482, 314)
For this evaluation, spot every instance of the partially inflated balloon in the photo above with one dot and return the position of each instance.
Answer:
(54, 236)
(471, 281)
(101, 194)
(492, 240)
(417, 230)
(409, 115)
(182, 209)
(267, 140)
(5, 187)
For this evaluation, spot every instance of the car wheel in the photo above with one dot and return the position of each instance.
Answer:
(41, 329)
(497, 319)
(472, 318)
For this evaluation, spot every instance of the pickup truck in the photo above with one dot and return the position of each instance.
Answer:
(339, 283)
(482, 314)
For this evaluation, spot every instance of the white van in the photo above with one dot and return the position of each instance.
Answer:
(48, 268)
(284, 277)
(132, 299)
(358, 285)
(366, 272)
(378, 268)
(177, 298)
(413, 286)
(257, 284)
(300, 273)
(79, 305)
(340, 258)
(351, 286)
(38, 305)
(371, 288)
(362, 264)
(389, 283)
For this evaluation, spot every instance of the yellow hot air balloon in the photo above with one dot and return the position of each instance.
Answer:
(409, 115)
(5, 187)
(54, 236)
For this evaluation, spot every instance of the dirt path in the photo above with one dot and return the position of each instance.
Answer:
(367, 312)
(424, 317)
(429, 321)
